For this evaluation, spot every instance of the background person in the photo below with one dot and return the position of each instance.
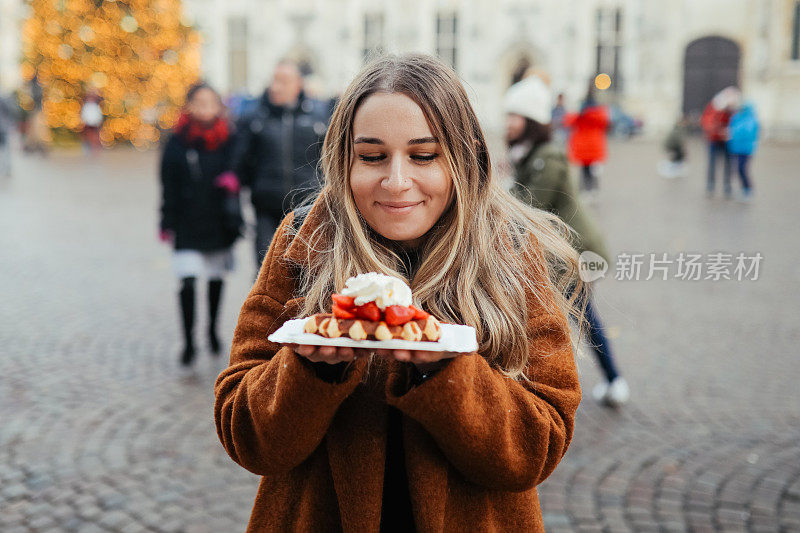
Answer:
(587, 140)
(714, 121)
(675, 146)
(743, 133)
(542, 179)
(277, 150)
(8, 122)
(559, 113)
(199, 210)
(92, 120)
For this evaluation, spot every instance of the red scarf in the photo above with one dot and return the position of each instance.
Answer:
(208, 136)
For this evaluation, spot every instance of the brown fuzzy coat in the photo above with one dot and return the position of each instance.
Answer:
(476, 443)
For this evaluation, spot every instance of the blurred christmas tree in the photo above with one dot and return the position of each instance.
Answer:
(139, 55)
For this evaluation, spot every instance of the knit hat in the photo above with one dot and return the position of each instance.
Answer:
(530, 98)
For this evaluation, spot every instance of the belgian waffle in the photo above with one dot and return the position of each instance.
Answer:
(327, 325)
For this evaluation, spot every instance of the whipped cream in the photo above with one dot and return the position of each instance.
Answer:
(379, 288)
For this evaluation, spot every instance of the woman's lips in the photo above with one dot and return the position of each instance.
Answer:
(398, 208)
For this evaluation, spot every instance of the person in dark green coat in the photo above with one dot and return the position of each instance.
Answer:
(542, 178)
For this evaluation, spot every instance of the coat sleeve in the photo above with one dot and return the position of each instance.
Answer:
(500, 433)
(271, 409)
(170, 187)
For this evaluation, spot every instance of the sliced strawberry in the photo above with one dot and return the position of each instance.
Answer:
(419, 314)
(344, 302)
(397, 315)
(368, 311)
(338, 312)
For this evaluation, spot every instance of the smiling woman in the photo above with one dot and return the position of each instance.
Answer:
(399, 183)
(404, 440)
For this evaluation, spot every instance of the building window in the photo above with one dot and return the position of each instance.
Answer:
(237, 53)
(796, 32)
(609, 44)
(447, 38)
(373, 35)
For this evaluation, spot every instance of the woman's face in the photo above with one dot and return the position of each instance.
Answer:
(398, 175)
(205, 106)
(515, 125)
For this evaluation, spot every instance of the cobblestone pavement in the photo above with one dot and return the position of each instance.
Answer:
(100, 432)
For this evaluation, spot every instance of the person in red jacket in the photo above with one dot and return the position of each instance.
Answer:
(587, 141)
(714, 121)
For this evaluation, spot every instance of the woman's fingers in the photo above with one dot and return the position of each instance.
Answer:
(316, 353)
(327, 354)
(402, 355)
(346, 354)
(326, 351)
(305, 351)
(334, 354)
(414, 356)
(421, 356)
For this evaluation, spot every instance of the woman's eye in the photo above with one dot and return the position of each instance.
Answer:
(417, 157)
(371, 158)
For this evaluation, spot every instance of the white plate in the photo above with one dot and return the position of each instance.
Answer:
(454, 339)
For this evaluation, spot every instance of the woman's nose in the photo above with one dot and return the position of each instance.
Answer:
(397, 180)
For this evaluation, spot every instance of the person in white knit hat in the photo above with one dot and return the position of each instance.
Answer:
(530, 98)
(542, 179)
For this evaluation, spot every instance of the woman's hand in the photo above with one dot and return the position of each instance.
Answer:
(166, 236)
(425, 361)
(229, 182)
(328, 354)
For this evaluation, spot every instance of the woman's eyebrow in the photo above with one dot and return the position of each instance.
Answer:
(423, 140)
(375, 140)
(367, 140)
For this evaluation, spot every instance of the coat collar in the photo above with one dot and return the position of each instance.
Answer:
(273, 109)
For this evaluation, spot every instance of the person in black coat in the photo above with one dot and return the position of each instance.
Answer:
(200, 213)
(277, 151)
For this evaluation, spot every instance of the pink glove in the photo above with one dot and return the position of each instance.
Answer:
(166, 235)
(228, 181)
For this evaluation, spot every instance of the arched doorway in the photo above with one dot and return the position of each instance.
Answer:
(520, 70)
(710, 64)
(304, 57)
(514, 63)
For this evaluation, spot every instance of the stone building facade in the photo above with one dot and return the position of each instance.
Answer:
(664, 57)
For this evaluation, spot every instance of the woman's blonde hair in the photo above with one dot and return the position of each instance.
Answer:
(488, 255)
